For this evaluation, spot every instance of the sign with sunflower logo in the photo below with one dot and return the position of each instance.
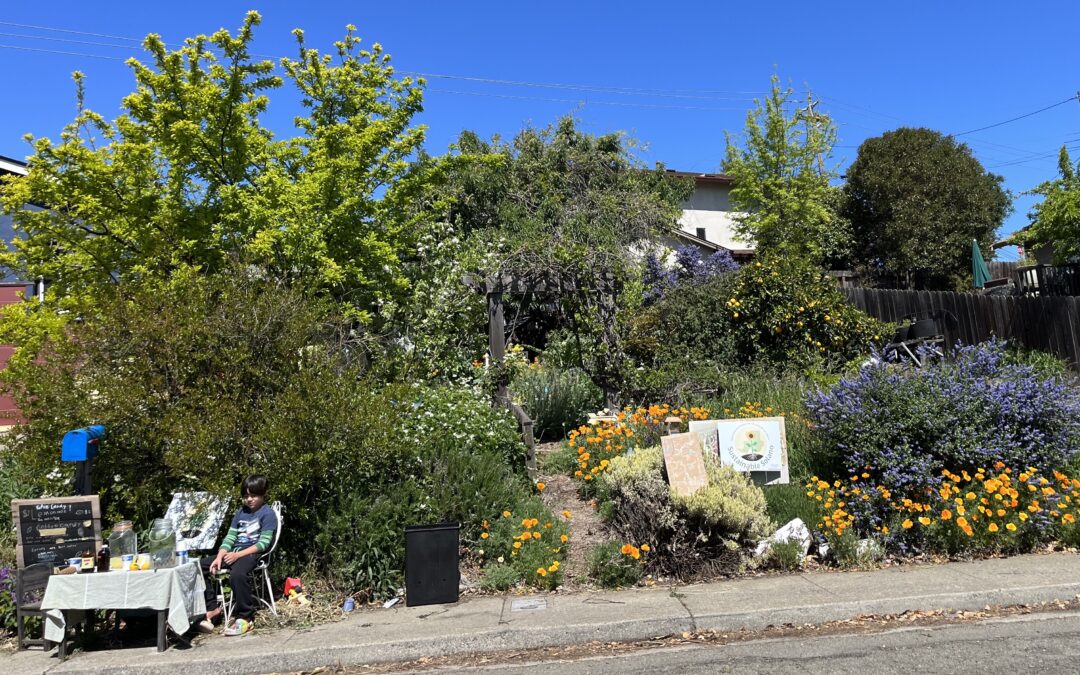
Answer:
(757, 446)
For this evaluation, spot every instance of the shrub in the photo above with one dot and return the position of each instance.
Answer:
(530, 540)
(464, 463)
(701, 533)
(498, 577)
(784, 555)
(556, 400)
(785, 311)
(905, 425)
(986, 511)
(7, 600)
(612, 565)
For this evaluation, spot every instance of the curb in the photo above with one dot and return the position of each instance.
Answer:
(507, 639)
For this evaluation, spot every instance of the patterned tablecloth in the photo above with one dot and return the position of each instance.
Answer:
(176, 589)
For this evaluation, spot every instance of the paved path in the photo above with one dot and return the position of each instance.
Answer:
(481, 624)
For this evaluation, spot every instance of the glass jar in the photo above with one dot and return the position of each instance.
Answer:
(161, 543)
(123, 540)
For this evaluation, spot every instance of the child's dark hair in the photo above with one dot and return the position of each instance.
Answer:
(255, 485)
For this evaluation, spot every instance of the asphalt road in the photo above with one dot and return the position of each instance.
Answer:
(1026, 643)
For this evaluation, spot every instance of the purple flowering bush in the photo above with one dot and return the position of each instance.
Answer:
(905, 425)
(7, 600)
(689, 268)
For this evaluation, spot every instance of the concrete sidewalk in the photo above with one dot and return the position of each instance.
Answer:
(480, 624)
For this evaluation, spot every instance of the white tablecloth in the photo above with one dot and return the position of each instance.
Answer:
(176, 589)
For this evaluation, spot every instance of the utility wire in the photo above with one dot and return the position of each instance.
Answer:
(56, 51)
(1034, 112)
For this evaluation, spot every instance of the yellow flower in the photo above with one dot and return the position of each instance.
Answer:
(541, 571)
(645, 547)
(924, 520)
(564, 538)
(484, 535)
(907, 524)
(993, 527)
(536, 535)
(946, 514)
(554, 568)
(1011, 527)
(1023, 516)
(517, 544)
(540, 487)
(506, 514)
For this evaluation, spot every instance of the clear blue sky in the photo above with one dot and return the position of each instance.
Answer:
(952, 66)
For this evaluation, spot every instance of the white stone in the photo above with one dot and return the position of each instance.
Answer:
(795, 530)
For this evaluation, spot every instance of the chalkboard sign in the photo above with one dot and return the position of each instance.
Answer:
(52, 530)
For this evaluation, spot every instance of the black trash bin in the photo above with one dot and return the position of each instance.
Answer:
(432, 575)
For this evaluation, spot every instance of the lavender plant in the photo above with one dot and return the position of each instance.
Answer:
(905, 425)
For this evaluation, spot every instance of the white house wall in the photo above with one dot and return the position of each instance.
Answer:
(709, 208)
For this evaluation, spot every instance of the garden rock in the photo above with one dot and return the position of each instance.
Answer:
(795, 530)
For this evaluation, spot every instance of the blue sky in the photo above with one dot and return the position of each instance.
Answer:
(693, 67)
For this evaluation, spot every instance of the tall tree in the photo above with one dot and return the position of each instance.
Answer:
(189, 178)
(557, 203)
(1055, 221)
(783, 179)
(916, 198)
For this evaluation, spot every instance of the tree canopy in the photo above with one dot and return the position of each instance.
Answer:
(916, 198)
(783, 179)
(1055, 221)
(558, 203)
(189, 177)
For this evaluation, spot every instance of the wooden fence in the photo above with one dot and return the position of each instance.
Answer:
(1050, 324)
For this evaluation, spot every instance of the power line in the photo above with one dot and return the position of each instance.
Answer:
(73, 32)
(56, 51)
(582, 101)
(1034, 112)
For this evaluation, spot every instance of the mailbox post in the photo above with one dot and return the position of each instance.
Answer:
(81, 446)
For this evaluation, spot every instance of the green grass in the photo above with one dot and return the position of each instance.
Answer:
(787, 502)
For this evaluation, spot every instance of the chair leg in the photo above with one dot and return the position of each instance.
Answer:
(20, 624)
(269, 592)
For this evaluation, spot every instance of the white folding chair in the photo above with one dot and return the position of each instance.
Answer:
(260, 575)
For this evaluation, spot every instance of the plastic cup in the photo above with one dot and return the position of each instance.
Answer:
(128, 559)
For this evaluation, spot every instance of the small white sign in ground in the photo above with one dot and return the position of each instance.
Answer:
(528, 605)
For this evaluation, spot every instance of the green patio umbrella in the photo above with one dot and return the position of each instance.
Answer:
(979, 270)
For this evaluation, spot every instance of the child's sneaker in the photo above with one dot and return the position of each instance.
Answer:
(240, 627)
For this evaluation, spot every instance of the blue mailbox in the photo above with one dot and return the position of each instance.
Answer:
(81, 445)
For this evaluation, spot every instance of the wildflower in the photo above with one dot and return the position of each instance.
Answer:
(564, 538)
(554, 568)
(1022, 516)
(506, 514)
(517, 544)
(946, 514)
(924, 520)
(645, 547)
(541, 571)
(484, 524)
(535, 535)
(501, 559)
(540, 487)
(484, 535)
(907, 524)
(1011, 527)
(993, 527)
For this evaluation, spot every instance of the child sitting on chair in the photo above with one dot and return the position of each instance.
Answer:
(251, 534)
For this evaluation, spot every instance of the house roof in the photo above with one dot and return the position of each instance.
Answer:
(720, 178)
(9, 165)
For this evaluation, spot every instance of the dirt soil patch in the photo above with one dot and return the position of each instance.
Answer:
(586, 530)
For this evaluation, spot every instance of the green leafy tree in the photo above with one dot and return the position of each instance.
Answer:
(189, 178)
(916, 198)
(1055, 221)
(783, 180)
(561, 205)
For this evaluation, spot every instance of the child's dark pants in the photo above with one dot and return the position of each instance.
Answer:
(239, 582)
